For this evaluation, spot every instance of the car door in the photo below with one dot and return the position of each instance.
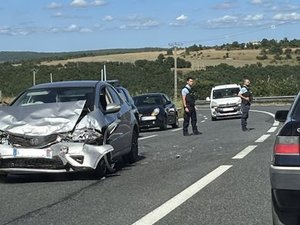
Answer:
(119, 122)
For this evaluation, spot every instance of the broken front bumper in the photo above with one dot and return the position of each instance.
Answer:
(59, 157)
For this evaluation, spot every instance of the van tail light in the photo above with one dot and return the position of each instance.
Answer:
(287, 145)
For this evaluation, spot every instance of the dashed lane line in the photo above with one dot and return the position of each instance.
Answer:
(263, 138)
(244, 152)
(151, 136)
(272, 129)
(180, 198)
(177, 129)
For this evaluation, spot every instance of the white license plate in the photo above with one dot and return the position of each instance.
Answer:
(228, 109)
(147, 118)
(32, 153)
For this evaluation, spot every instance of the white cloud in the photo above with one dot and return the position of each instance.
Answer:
(181, 18)
(256, 17)
(256, 1)
(140, 24)
(225, 5)
(108, 18)
(287, 16)
(224, 19)
(85, 30)
(54, 5)
(58, 14)
(79, 3)
(98, 2)
(72, 28)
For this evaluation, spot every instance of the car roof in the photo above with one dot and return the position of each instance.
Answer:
(74, 83)
(226, 86)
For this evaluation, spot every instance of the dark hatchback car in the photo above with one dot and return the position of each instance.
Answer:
(285, 167)
(125, 95)
(156, 110)
(66, 127)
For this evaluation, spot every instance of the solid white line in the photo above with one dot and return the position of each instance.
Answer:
(259, 111)
(143, 138)
(180, 198)
(272, 129)
(263, 138)
(177, 129)
(244, 152)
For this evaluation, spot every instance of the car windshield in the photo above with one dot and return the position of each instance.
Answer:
(225, 93)
(52, 95)
(147, 100)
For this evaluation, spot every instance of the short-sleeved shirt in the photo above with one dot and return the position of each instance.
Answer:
(243, 91)
(185, 91)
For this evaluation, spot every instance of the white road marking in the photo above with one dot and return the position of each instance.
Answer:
(180, 198)
(272, 129)
(244, 152)
(202, 121)
(177, 129)
(276, 123)
(263, 138)
(265, 112)
(151, 136)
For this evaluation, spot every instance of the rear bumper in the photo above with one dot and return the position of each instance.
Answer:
(285, 178)
(285, 183)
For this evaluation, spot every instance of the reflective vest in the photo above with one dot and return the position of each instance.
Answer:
(247, 94)
(190, 97)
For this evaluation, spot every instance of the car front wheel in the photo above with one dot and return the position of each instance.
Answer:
(133, 155)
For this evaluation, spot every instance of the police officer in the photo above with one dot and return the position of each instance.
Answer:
(246, 95)
(188, 100)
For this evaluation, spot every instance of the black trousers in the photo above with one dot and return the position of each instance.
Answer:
(245, 114)
(191, 115)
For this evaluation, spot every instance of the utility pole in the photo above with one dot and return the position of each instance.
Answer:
(175, 45)
(33, 76)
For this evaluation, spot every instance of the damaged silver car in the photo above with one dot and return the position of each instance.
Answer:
(67, 126)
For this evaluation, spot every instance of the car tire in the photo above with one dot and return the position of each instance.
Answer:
(133, 155)
(281, 217)
(164, 124)
(101, 169)
(213, 118)
(176, 124)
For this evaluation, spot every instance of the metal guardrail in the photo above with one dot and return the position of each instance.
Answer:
(269, 99)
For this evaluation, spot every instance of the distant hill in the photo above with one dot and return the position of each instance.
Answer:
(19, 56)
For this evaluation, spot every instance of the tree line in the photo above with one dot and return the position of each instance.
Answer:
(154, 76)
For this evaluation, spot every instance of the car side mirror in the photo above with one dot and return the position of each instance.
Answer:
(281, 115)
(112, 108)
(207, 99)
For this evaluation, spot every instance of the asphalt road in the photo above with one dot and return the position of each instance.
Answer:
(219, 177)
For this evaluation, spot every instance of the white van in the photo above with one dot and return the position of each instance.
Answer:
(224, 101)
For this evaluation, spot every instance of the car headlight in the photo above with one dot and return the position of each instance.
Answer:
(85, 135)
(214, 104)
(155, 112)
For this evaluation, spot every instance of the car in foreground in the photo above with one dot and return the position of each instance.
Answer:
(285, 167)
(156, 110)
(66, 127)
(224, 101)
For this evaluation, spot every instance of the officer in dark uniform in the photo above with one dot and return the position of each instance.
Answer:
(188, 100)
(246, 95)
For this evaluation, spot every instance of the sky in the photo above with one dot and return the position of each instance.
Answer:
(80, 25)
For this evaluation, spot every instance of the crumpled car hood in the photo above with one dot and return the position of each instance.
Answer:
(40, 119)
